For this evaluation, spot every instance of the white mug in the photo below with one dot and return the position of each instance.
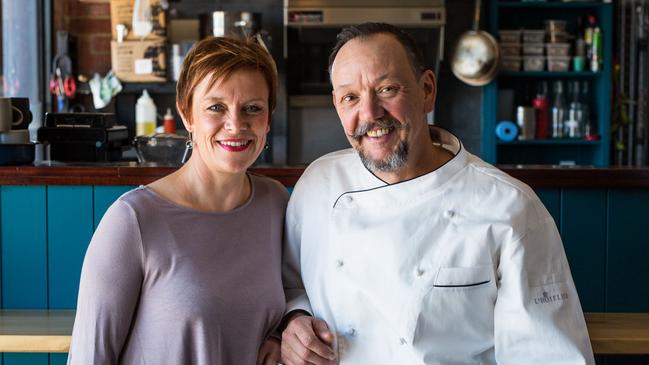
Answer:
(6, 115)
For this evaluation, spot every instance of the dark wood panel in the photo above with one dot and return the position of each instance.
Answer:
(118, 174)
(580, 177)
(628, 251)
(583, 231)
(134, 174)
(551, 198)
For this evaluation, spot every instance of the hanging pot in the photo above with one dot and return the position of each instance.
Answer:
(476, 56)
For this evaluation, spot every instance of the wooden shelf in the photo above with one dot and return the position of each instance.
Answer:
(552, 4)
(550, 74)
(151, 87)
(35, 330)
(51, 331)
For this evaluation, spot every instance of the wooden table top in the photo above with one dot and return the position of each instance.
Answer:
(618, 333)
(50, 331)
(35, 330)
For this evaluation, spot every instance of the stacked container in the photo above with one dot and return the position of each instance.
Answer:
(533, 58)
(558, 48)
(510, 49)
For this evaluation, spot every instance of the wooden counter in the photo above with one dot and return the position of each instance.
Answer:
(49, 331)
(618, 333)
(35, 330)
(134, 174)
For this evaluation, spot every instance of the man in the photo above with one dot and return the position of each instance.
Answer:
(412, 250)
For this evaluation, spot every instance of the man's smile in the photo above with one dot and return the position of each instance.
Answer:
(379, 132)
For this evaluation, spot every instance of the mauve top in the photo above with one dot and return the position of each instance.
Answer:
(165, 284)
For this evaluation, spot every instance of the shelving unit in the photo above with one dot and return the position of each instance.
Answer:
(530, 15)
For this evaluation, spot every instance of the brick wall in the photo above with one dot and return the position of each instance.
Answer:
(89, 22)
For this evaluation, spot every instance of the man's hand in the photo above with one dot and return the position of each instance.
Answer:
(307, 340)
(269, 352)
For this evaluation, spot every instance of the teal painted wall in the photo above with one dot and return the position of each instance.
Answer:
(45, 230)
(44, 233)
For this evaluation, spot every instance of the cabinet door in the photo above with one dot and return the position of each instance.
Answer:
(69, 229)
(23, 223)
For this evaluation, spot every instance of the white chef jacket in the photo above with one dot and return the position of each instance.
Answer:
(463, 265)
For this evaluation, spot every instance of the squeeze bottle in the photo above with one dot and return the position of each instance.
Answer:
(145, 115)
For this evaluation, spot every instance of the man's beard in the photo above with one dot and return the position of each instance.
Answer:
(395, 160)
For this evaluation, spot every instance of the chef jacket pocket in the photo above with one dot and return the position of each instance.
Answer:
(463, 295)
(461, 278)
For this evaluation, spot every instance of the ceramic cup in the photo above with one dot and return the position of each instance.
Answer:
(7, 111)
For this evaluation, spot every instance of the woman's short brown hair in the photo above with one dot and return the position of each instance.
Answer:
(221, 56)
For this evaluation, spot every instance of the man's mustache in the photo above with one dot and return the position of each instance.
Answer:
(361, 130)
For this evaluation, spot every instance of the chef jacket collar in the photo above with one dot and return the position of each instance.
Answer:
(415, 187)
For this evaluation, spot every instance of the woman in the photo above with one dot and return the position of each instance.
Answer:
(187, 270)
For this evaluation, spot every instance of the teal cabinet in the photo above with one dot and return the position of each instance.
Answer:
(24, 246)
(628, 251)
(603, 234)
(69, 229)
(521, 88)
(44, 233)
(45, 230)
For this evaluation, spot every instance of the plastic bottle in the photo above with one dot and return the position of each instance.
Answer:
(596, 57)
(142, 22)
(558, 110)
(588, 38)
(145, 115)
(169, 123)
(541, 105)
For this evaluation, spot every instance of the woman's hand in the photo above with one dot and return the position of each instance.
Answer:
(269, 352)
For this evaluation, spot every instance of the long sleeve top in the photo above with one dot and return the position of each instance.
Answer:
(166, 284)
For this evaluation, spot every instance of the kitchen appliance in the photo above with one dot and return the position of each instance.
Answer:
(93, 137)
(313, 128)
(16, 154)
(161, 149)
(240, 24)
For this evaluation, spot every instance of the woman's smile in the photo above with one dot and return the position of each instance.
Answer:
(234, 145)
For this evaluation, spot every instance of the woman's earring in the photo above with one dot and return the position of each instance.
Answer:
(189, 145)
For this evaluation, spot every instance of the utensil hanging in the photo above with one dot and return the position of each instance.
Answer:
(477, 55)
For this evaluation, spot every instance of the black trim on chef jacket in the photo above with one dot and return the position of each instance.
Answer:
(399, 182)
(461, 286)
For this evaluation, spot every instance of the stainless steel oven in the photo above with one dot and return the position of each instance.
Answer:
(310, 32)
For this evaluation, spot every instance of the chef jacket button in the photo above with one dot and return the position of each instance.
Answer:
(339, 263)
(402, 341)
(351, 332)
(450, 214)
(349, 199)
(420, 272)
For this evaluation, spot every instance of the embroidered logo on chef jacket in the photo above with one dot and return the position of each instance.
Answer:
(550, 298)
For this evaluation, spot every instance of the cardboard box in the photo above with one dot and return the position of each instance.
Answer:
(121, 12)
(139, 61)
